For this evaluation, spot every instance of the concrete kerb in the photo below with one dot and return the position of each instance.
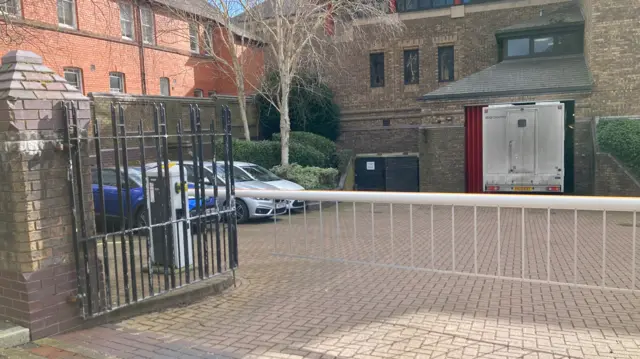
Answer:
(179, 297)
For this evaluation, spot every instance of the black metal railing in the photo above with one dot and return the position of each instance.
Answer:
(137, 230)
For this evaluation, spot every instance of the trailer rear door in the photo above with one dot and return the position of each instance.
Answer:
(521, 130)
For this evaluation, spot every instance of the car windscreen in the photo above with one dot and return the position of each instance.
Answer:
(238, 176)
(136, 175)
(260, 173)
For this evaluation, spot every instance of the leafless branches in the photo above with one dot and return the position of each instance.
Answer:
(309, 36)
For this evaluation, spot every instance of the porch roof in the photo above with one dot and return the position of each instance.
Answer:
(520, 77)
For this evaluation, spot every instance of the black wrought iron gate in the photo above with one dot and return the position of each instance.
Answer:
(153, 209)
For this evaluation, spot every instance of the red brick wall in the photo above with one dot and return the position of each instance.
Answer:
(96, 47)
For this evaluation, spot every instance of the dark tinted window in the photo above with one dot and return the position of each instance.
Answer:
(376, 63)
(411, 67)
(109, 177)
(445, 64)
(518, 47)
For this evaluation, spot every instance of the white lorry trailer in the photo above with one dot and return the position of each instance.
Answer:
(523, 148)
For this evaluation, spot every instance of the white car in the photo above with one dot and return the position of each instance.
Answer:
(246, 208)
(259, 173)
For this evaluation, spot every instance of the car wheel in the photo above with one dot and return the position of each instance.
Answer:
(242, 212)
(140, 220)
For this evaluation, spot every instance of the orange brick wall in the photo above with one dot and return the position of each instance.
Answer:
(96, 47)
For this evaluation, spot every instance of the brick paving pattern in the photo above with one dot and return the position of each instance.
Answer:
(286, 307)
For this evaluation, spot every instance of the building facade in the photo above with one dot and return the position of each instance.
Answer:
(137, 47)
(450, 56)
(455, 54)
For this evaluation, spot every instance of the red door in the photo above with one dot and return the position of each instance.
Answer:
(473, 148)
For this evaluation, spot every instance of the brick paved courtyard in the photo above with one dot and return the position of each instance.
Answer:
(286, 307)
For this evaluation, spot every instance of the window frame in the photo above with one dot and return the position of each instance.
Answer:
(151, 26)
(17, 9)
(122, 4)
(168, 80)
(503, 44)
(120, 76)
(78, 73)
(194, 39)
(441, 52)
(195, 91)
(404, 66)
(74, 17)
(372, 70)
(208, 39)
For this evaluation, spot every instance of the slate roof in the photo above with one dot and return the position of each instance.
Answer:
(204, 9)
(521, 77)
(568, 14)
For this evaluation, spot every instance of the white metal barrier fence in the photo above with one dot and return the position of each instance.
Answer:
(580, 241)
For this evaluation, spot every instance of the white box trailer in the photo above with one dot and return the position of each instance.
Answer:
(523, 147)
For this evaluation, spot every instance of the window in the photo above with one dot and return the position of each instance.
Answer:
(198, 93)
(411, 67)
(412, 5)
(10, 7)
(517, 47)
(208, 39)
(126, 20)
(73, 77)
(442, 3)
(193, 37)
(543, 45)
(116, 82)
(376, 63)
(66, 13)
(146, 22)
(445, 64)
(165, 87)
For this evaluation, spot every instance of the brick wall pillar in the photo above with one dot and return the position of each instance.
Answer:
(37, 268)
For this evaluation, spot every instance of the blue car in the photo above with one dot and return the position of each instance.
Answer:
(111, 207)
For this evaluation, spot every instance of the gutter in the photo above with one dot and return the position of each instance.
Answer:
(143, 74)
(456, 96)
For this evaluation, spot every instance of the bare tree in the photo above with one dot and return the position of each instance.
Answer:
(301, 36)
(228, 47)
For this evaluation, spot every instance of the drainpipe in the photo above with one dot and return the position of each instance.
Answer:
(138, 21)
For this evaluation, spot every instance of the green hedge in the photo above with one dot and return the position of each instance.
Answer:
(308, 177)
(621, 138)
(267, 153)
(322, 144)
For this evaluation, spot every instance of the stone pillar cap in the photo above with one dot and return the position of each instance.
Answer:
(21, 56)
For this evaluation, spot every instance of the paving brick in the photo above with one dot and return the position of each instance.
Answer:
(286, 307)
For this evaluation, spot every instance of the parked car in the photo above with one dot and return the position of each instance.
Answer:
(111, 206)
(246, 208)
(259, 173)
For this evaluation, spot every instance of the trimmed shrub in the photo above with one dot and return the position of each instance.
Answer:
(322, 144)
(267, 153)
(308, 177)
(621, 138)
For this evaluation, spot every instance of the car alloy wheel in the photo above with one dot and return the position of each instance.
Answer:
(242, 212)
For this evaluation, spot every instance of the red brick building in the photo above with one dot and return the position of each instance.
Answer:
(138, 47)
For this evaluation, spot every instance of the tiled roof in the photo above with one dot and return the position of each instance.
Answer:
(521, 77)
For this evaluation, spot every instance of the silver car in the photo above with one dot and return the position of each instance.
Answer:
(246, 207)
(259, 173)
